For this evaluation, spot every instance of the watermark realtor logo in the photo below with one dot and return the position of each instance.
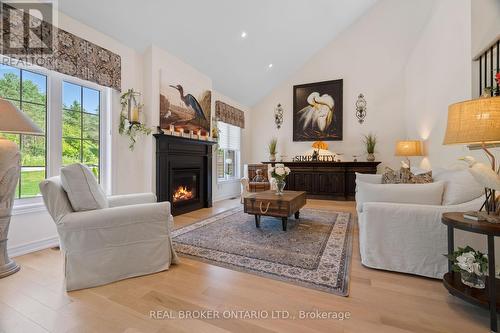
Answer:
(279, 314)
(27, 28)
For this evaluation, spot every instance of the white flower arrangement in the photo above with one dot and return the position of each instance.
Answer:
(471, 264)
(280, 171)
(467, 262)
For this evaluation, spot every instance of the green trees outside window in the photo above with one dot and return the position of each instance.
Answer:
(28, 91)
(80, 125)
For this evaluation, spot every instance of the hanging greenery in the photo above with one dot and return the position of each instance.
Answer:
(128, 128)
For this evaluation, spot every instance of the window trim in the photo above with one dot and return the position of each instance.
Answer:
(53, 123)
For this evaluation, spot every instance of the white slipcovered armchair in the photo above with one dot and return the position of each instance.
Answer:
(131, 237)
(400, 225)
(245, 181)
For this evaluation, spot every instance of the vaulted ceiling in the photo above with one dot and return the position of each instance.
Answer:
(208, 34)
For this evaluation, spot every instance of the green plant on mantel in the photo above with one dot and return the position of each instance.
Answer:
(127, 128)
(370, 142)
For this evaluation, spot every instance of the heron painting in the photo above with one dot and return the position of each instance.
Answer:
(317, 111)
(182, 109)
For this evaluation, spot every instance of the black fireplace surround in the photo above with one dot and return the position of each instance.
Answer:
(183, 173)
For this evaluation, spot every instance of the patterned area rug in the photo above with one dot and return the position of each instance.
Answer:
(314, 252)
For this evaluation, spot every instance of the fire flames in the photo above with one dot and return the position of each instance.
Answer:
(183, 193)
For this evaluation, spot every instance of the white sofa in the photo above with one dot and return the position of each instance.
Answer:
(130, 237)
(400, 225)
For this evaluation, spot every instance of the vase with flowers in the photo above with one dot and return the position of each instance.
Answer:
(279, 173)
(472, 266)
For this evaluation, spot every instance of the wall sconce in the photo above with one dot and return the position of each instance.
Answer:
(361, 108)
(134, 106)
(130, 117)
(278, 116)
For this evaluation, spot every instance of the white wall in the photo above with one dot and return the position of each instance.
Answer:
(486, 23)
(485, 29)
(438, 73)
(370, 56)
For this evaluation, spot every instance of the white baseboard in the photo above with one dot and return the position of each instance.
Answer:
(38, 245)
(225, 197)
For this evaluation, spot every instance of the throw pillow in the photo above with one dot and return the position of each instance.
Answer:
(459, 186)
(390, 176)
(422, 178)
(369, 178)
(422, 194)
(405, 176)
(84, 193)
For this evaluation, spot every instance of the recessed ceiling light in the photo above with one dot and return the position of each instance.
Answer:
(270, 66)
(243, 34)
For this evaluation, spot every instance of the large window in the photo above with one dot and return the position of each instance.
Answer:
(80, 141)
(228, 153)
(28, 91)
(70, 113)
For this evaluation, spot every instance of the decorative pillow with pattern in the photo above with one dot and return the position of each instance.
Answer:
(405, 176)
(422, 178)
(390, 176)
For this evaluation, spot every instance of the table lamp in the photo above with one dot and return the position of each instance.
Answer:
(477, 122)
(12, 120)
(409, 148)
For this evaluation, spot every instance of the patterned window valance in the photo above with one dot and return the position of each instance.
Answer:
(229, 114)
(70, 54)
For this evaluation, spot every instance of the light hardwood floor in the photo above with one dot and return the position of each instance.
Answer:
(33, 300)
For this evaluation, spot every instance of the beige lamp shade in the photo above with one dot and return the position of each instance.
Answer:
(474, 122)
(409, 148)
(13, 120)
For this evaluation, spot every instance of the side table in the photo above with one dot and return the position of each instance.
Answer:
(488, 296)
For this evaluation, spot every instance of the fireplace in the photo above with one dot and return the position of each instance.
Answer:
(185, 186)
(183, 173)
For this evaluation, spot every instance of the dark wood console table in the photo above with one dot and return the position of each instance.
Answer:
(326, 180)
(488, 296)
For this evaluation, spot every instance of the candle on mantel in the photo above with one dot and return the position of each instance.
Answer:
(191, 134)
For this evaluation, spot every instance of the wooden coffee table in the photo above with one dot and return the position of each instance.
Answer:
(268, 203)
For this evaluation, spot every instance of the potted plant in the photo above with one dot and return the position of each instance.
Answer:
(279, 173)
(370, 142)
(273, 144)
(472, 266)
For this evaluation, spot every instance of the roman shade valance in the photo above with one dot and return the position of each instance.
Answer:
(66, 53)
(229, 114)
